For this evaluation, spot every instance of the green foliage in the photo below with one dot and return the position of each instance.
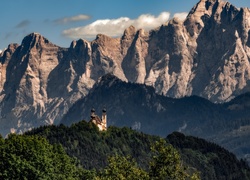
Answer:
(213, 161)
(87, 174)
(92, 147)
(166, 163)
(122, 168)
(32, 157)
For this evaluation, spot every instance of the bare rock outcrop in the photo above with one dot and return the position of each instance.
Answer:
(207, 55)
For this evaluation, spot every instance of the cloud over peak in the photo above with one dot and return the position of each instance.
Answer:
(80, 17)
(116, 27)
(181, 16)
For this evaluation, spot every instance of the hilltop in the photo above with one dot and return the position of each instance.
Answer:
(92, 147)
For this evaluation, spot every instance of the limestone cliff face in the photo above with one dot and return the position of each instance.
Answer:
(221, 62)
(206, 55)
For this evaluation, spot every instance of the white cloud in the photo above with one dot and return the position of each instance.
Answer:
(116, 27)
(1, 51)
(80, 17)
(181, 16)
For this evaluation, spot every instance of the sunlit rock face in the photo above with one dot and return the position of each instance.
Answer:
(207, 55)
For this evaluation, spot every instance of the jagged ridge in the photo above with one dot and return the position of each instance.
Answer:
(205, 55)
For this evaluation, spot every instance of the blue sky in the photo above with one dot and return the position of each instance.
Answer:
(61, 21)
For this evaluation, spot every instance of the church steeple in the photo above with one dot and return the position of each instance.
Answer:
(104, 118)
(100, 122)
(92, 114)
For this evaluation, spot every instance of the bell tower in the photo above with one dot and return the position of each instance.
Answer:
(92, 112)
(104, 118)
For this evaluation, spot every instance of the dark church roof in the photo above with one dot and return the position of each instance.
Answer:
(96, 118)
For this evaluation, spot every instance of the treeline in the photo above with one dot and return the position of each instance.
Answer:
(211, 159)
(32, 157)
(81, 151)
(91, 147)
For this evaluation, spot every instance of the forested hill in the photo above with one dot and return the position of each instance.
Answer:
(214, 161)
(92, 147)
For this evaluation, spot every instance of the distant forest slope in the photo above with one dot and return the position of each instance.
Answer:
(92, 147)
(138, 106)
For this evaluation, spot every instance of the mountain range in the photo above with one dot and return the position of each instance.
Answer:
(205, 56)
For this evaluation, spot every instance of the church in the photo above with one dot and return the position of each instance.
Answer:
(101, 123)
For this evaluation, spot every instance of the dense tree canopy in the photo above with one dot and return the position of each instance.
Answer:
(213, 161)
(32, 157)
(164, 165)
(123, 168)
(92, 148)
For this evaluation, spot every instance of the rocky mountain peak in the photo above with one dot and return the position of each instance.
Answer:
(142, 33)
(12, 47)
(7, 53)
(208, 8)
(102, 37)
(104, 41)
(204, 10)
(35, 40)
(73, 44)
(129, 33)
(206, 55)
(78, 44)
(175, 21)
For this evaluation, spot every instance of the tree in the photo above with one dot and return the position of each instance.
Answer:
(32, 157)
(122, 168)
(166, 163)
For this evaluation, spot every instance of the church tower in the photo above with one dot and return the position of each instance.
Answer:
(101, 123)
(104, 118)
(92, 114)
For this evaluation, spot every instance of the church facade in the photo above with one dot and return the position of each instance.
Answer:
(101, 123)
